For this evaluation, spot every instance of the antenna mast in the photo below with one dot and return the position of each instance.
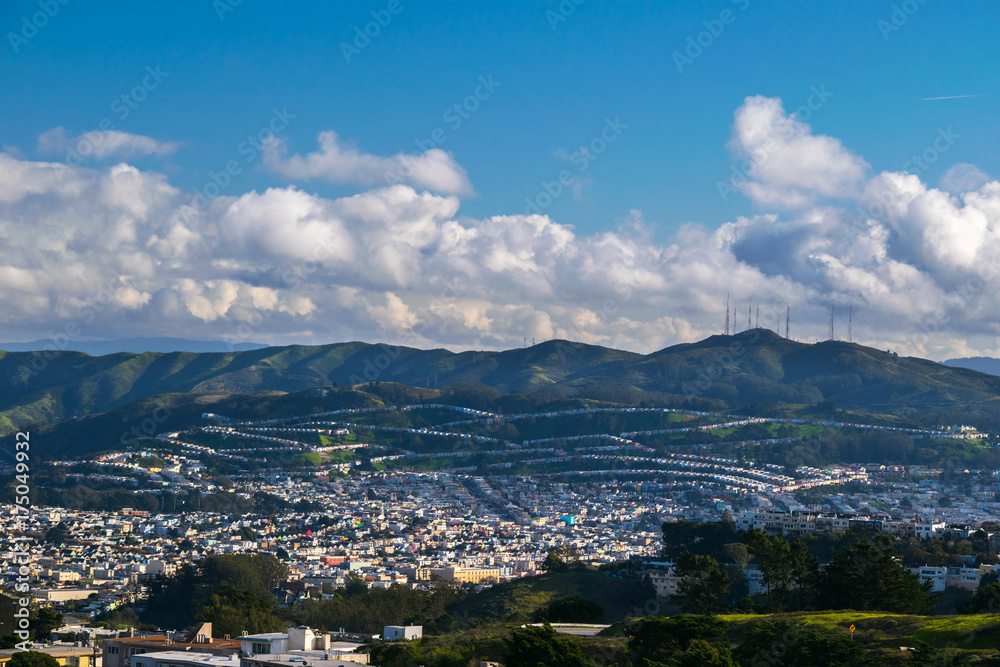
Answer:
(749, 314)
(757, 319)
(831, 321)
(788, 318)
(727, 313)
(850, 322)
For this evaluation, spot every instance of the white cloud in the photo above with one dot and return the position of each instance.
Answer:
(117, 251)
(101, 144)
(792, 167)
(435, 169)
(963, 177)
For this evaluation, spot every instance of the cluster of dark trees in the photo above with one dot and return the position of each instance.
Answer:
(862, 572)
(233, 591)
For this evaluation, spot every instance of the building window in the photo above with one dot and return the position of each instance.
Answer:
(112, 650)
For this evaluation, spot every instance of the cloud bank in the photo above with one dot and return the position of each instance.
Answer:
(119, 251)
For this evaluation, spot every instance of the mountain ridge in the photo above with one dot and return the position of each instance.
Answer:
(755, 366)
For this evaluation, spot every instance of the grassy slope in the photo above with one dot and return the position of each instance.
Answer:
(619, 597)
(890, 631)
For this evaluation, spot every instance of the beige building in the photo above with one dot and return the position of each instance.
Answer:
(468, 575)
(65, 594)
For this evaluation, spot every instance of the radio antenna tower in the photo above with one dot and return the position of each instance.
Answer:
(831, 321)
(727, 313)
(749, 314)
(788, 319)
(850, 321)
(757, 319)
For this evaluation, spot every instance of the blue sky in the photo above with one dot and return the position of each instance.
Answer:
(610, 59)
(198, 78)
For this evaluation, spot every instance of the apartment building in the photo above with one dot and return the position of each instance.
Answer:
(468, 575)
(119, 652)
(664, 578)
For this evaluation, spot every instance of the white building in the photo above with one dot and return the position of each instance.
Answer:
(393, 633)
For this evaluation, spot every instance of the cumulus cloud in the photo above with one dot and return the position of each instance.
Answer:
(335, 161)
(119, 251)
(101, 144)
(791, 166)
(963, 177)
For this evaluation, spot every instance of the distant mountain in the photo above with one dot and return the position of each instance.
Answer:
(981, 364)
(720, 371)
(99, 348)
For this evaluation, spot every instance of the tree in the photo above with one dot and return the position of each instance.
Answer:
(43, 622)
(775, 562)
(805, 569)
(354, 585)
(535, 646)
(560, 558)
(178, 601)
(707, 538)
(57, 534)
(985, 599)
(680, 641)
(703, 582)
(781, 644)
(739, 554)
(32, 659)
(867, 576)
(575, 609)
(232, 611)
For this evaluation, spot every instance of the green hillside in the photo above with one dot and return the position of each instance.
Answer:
(719, 372)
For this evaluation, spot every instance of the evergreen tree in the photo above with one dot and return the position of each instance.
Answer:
(868, 576)
(703, 582)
